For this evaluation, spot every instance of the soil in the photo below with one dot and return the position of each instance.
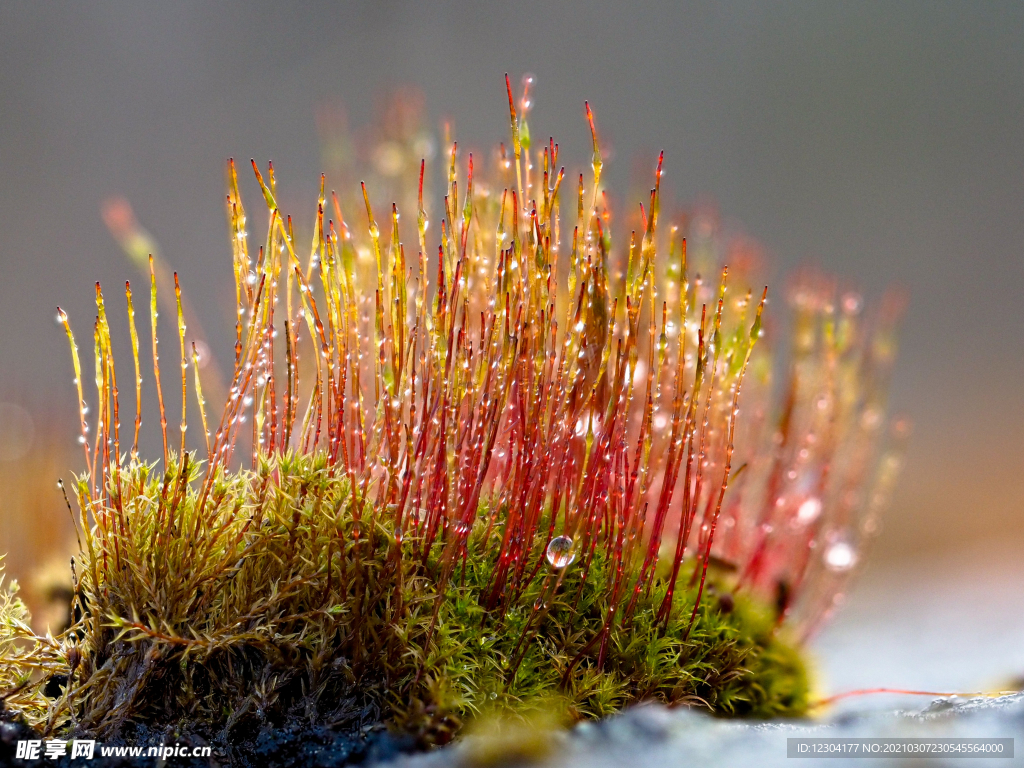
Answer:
(285, 747)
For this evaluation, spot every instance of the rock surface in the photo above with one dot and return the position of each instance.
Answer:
(656, 737)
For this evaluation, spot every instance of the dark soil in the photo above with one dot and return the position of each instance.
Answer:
(283, 747)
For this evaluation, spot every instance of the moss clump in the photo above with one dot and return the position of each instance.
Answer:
(297, 603)
(500, 490)
(732, 662)
(25, 658)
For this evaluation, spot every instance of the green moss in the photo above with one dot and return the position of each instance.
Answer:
(24, 657)
(294, 602)
(733, 662)
(386, 556)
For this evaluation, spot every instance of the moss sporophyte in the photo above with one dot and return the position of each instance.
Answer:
(530, 463)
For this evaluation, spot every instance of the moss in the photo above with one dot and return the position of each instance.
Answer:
(732, 662)
(295, 604)
(448, 518)
(25, 658)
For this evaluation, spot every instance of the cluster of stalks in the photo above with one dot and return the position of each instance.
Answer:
(474, 474)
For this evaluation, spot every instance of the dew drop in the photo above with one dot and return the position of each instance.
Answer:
(840, 556)
(809, 510)
(418, 514)
(561, 551)
(852, 303)
(871, 419)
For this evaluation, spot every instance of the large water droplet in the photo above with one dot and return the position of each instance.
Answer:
(840, 556)
(561, 551)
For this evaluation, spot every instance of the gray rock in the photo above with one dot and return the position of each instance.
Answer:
(652, 736)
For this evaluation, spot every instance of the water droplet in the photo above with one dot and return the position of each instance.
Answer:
(809, 510)
(901, 428)
(561, 551)
(840, 556)
(419, 514)
(870, 419)
(852, 303)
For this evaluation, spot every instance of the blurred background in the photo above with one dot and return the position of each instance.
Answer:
(883, 141)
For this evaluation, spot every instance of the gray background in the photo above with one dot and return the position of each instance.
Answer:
(882, 140)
